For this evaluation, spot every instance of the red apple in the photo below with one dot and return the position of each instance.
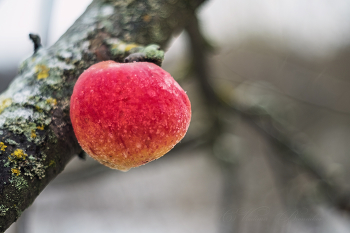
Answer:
(127, 114)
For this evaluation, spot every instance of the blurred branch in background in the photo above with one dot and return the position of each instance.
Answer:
(291, 151)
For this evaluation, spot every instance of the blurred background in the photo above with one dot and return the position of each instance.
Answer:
(268, 145)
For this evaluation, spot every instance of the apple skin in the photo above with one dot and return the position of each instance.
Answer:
(125, 115)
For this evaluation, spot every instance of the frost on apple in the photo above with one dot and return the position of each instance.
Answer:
(125, 115)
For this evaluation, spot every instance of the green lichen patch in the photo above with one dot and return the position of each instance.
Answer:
(18, 210)
(35, 117)
(3, 210)
(21, 126)
(153, 52)
(30, 166)
(56, 80)
(41, 119)
(19, 182)
(120, 50)
(41, 104)
(17, 125)
(11, 142)
(35, 167)
(29, 131)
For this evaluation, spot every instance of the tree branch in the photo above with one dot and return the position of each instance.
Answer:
(263, 122)
(36, 136)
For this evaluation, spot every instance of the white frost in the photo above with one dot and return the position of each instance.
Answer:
(24, 113)
(107, 10)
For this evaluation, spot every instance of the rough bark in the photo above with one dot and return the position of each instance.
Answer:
(36, 136)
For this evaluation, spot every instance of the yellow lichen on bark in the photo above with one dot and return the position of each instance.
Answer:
(51, 101)
(40, 127)
(130, 46)
(33, 134)
(19, 154)
(2, 146)
(4, 103)
(16, 171)
(42, 70)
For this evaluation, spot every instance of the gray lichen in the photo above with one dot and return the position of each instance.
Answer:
(19, 182)
(30, 166)
(11, 142)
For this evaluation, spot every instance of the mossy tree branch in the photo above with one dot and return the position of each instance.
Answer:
(36, 137)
